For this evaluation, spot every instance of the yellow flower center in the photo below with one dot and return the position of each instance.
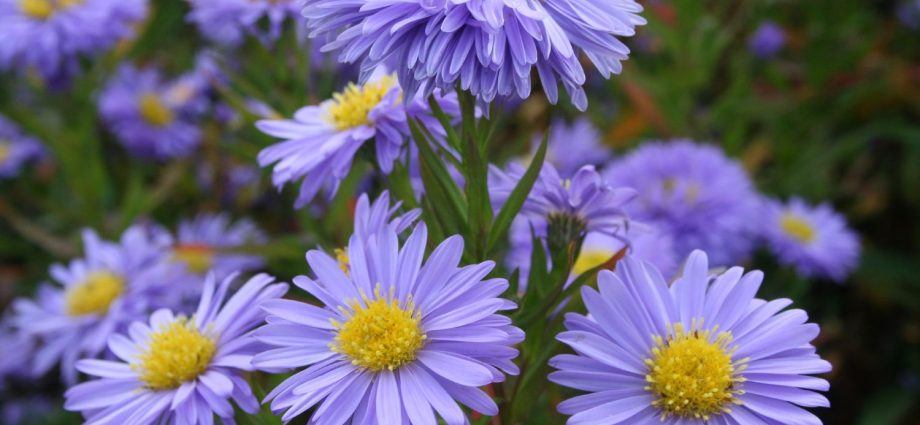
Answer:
(589, 259)
(380, 334)
(691, 374)
(177, 353)
(95, 294)
(154, 111)
(797, 227)
(342, 257)
(199, 258)
(43, 9)
(5, 150)
(350, 107)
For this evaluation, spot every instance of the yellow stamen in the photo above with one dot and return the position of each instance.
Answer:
(380, 334)
(797, 227)
(95, 294)
(177, 353)
(43, 9)
(351, 106)
(153, 110)
(691, 374)
(342, 257)
(589, 259)
(199, 258)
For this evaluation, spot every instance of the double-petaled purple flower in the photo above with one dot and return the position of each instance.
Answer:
(489, 47)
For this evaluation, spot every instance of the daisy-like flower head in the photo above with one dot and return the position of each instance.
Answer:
(16, 149)
(153, 118)
(489, 47)
(205, 243)
(321, 141)
(47, 36)
(572, 146)
(702, 351)
(395, 338)
(814, 240)
(704, 199)
(227, 22)
(112, 285)
(177, 369)
(585, 203)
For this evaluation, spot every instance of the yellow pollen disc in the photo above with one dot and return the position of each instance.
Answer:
(153, 110)
(380, 334)
(43, 9)
(691, 374)
(797, 227)
(5, 151)
(342, 257)
(351, 106)
(589, 259)
(197, 257)
(177, 353)
(95, 294)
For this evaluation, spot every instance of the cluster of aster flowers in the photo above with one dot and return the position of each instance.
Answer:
(48, 36)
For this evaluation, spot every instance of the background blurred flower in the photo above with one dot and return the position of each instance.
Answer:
(177, 369)
(16, 148)
(228, 21)
(395, 337)
(489, 47)
(815, 240)
(112, 285)
(702, 198)
(47, 36)
(321, 141)
(207, 243)
(767, 40)
(153, 118)
(716, 353)
(572, 146)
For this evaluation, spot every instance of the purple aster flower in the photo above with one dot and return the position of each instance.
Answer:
(585, 202)
(702, 198)
(151, 117)
(16, 149)
(489, 47)
(767, 40)
(229, 21)
(18, 350)
(48, 36)
(815, 240)
(572, 146)
(207, 242)
(909, 14)
(112, 285)
(373, 217)
(395, 338)
(702, 351)
(321, 141)
(177, 369)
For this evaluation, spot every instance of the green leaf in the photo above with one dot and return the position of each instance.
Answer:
(516, 200)
(440, 187)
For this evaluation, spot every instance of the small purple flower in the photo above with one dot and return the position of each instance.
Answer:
(321, 141)
(48, 36)
(397, 339)
(587, 200)
(151, 117)
(177, 369)
(207, 242)
(16, 149)
(227, 22)
(767, 40)
(373, 217)
(571, 146)
(815, 240)
(489, 47)
(112, 285)
(909, 14)
(693, 192)
(702, 351)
